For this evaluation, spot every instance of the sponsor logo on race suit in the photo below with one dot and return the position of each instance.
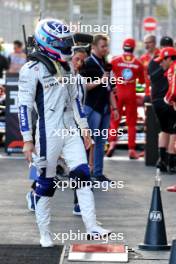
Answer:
(50, 82)
(127, 74)
(23, 118)
(129, 65)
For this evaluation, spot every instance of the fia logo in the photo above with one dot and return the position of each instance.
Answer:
(155, 216)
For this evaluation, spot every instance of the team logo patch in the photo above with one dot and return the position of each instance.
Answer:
(127, 74)
(128, 58)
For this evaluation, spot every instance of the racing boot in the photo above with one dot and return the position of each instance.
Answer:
(171, 188)
(163, 159)
(133, 154)
(161, 164)
(76, 210)
(43, 216)
(111, 149)
(141, 154)
(87, 206)
(171, 164)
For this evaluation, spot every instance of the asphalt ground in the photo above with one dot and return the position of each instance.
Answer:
(121, 210)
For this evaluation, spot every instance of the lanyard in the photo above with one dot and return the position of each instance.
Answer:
(102, 69)
(79, 85)
(97, 62)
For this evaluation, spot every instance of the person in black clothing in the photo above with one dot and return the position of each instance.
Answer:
(98, 100)
(165, 113)
(4, 65)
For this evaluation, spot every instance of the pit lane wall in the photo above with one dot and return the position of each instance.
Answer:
(122, 16)
(13, 138)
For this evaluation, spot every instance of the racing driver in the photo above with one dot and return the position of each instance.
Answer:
(40, 86)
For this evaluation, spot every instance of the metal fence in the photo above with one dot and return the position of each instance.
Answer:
(11, 23)
(89, 12)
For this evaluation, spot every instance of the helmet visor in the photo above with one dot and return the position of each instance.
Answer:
(64, 45)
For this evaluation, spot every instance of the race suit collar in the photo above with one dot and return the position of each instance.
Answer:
(128, 57)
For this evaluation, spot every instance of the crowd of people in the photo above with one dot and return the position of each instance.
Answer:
(13, 61)
(88, 106)
(12, 58)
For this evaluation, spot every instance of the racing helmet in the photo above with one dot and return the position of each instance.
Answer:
(54, 39)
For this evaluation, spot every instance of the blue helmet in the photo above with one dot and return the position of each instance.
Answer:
(54, 39)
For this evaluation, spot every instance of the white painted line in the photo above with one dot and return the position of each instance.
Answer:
(11, 157)
(122, 158)
(115, 158)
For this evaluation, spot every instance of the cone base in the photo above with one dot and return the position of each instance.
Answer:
(154, 247)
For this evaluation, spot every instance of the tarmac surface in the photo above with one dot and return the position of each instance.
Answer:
(121, 210)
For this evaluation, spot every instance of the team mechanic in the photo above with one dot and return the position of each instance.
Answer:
(128, 67)
(167, 59)
(39, 86)
(164, 112)
(152, 52)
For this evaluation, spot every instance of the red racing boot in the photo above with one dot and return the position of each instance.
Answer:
(133, 154)
(141, 154)
(171, 188)
(111, 149)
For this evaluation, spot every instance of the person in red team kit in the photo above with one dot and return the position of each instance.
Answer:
(167, 59)
(129, 68)
(152, 51)
(170, 97)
